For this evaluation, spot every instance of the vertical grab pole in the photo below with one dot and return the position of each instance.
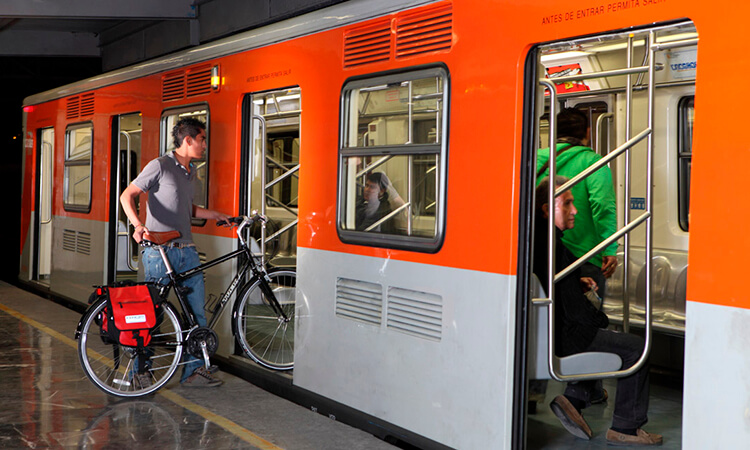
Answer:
(262, 121)
(649, 188)
(626, 192)
(551, 222)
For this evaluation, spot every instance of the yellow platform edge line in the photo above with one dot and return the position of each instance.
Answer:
(243, 433)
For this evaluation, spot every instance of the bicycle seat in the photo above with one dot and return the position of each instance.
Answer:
(161, 237)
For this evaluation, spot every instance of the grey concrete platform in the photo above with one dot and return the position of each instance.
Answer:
(47, 401)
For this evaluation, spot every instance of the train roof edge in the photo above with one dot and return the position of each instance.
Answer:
(320, 20)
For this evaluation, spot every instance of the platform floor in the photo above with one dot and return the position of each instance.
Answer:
(47, 401)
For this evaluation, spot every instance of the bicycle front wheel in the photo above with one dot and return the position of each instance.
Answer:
(113, 368)
(264, 320)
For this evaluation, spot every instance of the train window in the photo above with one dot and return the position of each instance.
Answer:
(393, 153)
(77, 173)
(684, 157)
(168, 120)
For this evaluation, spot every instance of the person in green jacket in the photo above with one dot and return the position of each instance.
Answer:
(594, 196)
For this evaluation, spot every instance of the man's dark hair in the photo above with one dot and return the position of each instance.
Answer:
(188, 126)
(573, 123)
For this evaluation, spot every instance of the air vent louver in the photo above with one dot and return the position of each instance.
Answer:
(76, 242)
(416, 313)
(173, 86)
(198, 81)
(368, 44)
(424, 32)
(410, 34)
(87, 104)
(359, 300)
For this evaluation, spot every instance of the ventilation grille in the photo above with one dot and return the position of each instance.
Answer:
(87, 104)
(416, 33)
(173, 86)
(416, 313)
(186, 83)
(424, 32)
(366, 45)
(77, 242)
(79, 106)
(359, 300)
(198, 81)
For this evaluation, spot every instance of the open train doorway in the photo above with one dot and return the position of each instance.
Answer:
(46, 159)
(126, 166)
(636, 90)
(271, 161)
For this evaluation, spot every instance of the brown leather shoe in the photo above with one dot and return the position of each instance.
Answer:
(642, 438)
(570, 418)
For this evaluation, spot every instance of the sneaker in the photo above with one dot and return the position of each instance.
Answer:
(142, 380)
(201, 378)
(600, 397)
(570, 418)
(642, 438)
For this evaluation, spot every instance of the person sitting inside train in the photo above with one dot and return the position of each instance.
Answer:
(581, 327)
(379, 199)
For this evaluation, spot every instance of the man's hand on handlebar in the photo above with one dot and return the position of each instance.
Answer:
(231, 221)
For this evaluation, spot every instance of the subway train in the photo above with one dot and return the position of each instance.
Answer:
(426, 320)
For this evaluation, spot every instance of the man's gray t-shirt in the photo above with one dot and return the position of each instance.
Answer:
(170, 196)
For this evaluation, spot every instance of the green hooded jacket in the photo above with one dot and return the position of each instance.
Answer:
(594, 198)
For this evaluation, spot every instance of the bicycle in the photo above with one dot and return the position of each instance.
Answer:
(262, 323)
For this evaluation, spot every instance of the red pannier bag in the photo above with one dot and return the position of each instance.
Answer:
(132, 313)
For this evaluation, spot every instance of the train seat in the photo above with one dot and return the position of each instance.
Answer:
(578, 364)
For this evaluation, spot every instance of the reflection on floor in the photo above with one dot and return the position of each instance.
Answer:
(47, 401)
(665, 418)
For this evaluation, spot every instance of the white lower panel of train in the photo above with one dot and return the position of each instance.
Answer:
(427, 348)
(716, 399)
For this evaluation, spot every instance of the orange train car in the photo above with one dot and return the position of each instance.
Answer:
(424, 320)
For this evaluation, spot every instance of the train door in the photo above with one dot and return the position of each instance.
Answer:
(619, 80)
(271, 160)
(126, 158)
(45, 173)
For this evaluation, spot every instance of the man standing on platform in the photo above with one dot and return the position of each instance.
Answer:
(169, 183)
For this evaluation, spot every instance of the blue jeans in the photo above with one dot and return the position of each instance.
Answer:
(631, 402)
(182, 259)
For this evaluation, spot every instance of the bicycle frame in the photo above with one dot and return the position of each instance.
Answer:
(250, 264)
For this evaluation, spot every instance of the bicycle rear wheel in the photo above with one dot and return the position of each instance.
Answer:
(262, 331)
(113, 367)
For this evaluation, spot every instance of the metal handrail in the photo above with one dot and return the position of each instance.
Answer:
(265, 197)
(388, 216)
(602, 245)
(599, 121)
(372, 166)
(603, 161)
(284, 176)
(42, 176)
(552, 277)
(263, 132)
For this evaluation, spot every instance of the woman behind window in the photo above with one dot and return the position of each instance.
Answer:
(379, 199)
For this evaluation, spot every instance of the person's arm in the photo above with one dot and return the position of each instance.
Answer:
(209, 214)
(604, 214)
(127, 199)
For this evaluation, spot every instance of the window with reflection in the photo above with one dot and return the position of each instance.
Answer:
(168, 121)
(685, 157)
(77, 174)
(393, 153)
